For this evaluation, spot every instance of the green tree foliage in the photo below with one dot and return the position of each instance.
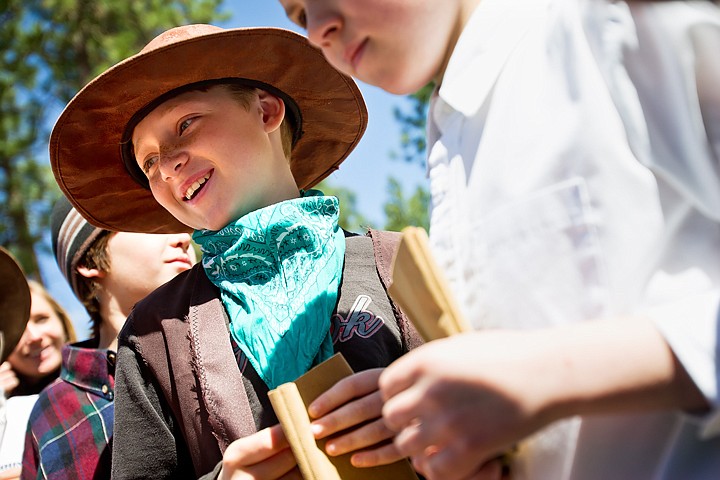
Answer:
(22, 182)
(401, 213)
(412, 125)
(48, 50)
(350, 218)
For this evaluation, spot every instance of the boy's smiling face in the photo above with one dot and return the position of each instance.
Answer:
(210, 160)
(397, 45)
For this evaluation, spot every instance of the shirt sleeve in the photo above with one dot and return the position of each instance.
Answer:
(31, 458)
(145, 443)
(691, 325)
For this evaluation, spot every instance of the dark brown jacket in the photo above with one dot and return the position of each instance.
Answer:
(181, 397)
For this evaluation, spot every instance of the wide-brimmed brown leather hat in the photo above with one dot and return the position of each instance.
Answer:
(86, 145)
(14, 303)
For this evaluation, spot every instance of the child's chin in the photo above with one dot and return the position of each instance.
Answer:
(215, 225)
(48, 366)
(199, 223)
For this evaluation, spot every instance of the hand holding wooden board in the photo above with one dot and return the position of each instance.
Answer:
(420, 289)
(290, 402)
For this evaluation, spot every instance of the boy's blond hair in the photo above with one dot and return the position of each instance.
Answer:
(244, 95)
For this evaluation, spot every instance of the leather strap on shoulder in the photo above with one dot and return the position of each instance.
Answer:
(385, 244)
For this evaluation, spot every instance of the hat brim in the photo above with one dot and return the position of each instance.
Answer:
(86, 142)
(14, 303)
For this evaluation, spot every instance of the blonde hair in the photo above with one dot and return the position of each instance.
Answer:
(244, 95)
(70, 335)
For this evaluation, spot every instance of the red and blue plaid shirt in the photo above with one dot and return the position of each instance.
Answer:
(71, 425)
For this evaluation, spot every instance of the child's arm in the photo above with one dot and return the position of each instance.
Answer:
(265, 455)
(460, 401)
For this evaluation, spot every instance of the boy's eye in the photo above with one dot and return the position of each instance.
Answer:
(297, 15)
(148, 164)
(184, 125)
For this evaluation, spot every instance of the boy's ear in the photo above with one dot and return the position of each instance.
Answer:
(90, 272)
(273, 110)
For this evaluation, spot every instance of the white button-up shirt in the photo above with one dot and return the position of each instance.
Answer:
(560, 194)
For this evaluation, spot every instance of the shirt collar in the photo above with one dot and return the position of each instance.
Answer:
(89, 368)
(489, 37)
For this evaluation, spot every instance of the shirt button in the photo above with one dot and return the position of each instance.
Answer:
(105, 389)
(111, 358)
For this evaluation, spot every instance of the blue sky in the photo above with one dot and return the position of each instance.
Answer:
(365, 171)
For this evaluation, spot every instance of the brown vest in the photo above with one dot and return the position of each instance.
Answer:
(218, 410)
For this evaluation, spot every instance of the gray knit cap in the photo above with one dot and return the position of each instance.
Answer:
(72, 236)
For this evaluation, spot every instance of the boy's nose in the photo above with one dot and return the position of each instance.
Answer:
(171, 163)
(323, 28)
(181, 240)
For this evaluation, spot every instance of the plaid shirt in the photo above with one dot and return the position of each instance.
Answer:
(71, 424)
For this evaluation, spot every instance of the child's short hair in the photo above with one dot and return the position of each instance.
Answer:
(89, 143)
(87, 288)
(244, 95)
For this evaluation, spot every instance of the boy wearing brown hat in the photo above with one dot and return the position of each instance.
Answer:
(71, 425)
(223, 132)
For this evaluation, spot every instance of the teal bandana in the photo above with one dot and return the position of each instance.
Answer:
(278, 270)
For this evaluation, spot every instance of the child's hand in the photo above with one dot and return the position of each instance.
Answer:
(458, 403)
(11, 474)
(462, 401)
(355, 403)
(8, 379)
(265, 455)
